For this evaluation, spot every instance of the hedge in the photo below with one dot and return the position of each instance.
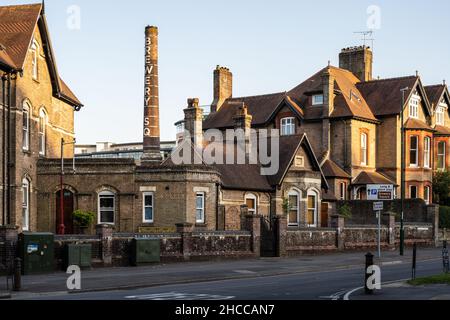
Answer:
(444, 217)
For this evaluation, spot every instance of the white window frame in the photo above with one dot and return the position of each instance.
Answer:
(251, 196)
(410, 192)
(318, 100)
(26, 127)
(343, 191)
(414, 164)
(427, 152)
(35, 60)
(427, 194)
(42, 132)
(287, 126)
(144, 207)
(202, 195)
(296, 207)
(316, 209)
(440, 114)
(443, 155)
(25, 205)
(364, 149)
(108, 194)
(414, 106)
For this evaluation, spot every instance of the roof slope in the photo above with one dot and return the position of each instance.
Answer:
(17, 26)
(332, 170)
(371, 178)
(435, 93)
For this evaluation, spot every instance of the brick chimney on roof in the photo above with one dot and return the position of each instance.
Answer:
(152, 146)
(223, 87)
(357, 60)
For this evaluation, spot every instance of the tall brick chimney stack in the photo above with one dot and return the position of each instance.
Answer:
(223, 87)
(358, 60)
(152, 145)
(193, 122)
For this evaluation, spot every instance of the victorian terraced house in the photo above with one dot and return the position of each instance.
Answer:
(340, 132)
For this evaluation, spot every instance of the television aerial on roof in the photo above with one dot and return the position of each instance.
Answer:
(366, 36)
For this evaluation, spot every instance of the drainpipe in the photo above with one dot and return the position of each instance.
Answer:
(4, 148)
(8, 152)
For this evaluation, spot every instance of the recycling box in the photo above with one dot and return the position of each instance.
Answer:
(78, 255)
(37, 252)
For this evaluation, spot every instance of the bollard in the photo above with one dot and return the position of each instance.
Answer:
(369, 262)
(445, 257)
(414, 261)
(17, 274)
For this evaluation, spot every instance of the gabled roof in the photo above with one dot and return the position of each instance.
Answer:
(416, 124)
(371, 178)
(385, 98)
(17, 26)
(332, 170)
(437, 93)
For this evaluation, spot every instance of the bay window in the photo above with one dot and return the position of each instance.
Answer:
(427, 152)
(413, 151)
(441, 156)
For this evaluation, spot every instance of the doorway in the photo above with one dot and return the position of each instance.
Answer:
(68, 210)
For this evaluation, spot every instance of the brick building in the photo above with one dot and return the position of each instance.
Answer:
(340, 131)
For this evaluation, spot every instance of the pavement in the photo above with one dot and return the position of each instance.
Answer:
(328, 276)
(403, 291)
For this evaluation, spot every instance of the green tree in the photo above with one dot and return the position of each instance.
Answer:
(441, 187)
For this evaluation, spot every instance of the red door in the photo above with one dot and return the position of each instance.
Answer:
(68, 210)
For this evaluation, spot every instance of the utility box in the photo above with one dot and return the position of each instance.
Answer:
(78, 255)
(145, 251)
(37, 252)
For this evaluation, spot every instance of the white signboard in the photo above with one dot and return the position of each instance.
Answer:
(378, 206)
(380, 192)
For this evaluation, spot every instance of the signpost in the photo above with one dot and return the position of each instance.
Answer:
(378, 208)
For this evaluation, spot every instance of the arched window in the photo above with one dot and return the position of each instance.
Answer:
(287, 126)
(26, 126)
(106, 207)
(252, 203)
(35, 60)
(42, 132)
(313, 205)
(25, 204)
(294, 208)
(364, 149)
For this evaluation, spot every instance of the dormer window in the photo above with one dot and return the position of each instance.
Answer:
(317, 99)
(287, 126)
(440, 113)
(414, 106)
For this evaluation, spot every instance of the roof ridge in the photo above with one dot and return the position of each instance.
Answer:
(435, 85)
(259, 95)
(388, 79)
(22, 5)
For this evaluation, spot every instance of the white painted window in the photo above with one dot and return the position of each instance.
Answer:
(364, 149)
(42, 132)
(413, 192)
(147, 205)
(251, 202)
(25, 205)
(413, 151)
(440, 113)
(317, 99)
(26, 127)
(342, 191)
(200, 207)
(441, 156)
(414, 106)
(287, 126)
(106, 207)
(312, 215)
(35, 60)
(427, 195)
(294, 208)
(427, 152)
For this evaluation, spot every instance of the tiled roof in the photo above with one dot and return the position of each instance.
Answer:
(332, 170)
(371, 178)
(416, 124)
(17, 25)
(384, 96)
(443, 131)
(435, 93)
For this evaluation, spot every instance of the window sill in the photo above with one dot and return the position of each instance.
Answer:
(27, 152)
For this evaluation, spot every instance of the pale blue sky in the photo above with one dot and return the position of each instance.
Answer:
(270, 46)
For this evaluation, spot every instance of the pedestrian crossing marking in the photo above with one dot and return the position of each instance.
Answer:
(178, 296)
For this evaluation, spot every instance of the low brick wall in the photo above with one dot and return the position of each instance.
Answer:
(203, 246)
(310, 241)
(364, 237)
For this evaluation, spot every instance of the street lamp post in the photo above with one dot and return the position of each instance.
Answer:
(62, 227)
(402, 183)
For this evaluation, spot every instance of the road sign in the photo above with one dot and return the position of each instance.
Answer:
(378, 206)
(380, 192)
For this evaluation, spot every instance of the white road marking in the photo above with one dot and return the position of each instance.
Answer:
(179, 296)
